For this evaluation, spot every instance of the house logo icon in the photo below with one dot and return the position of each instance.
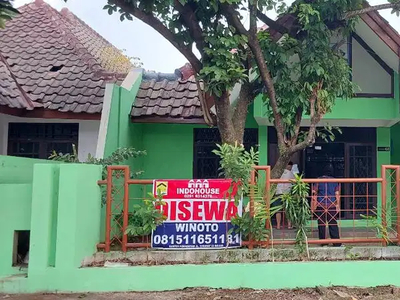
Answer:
(161, 188)
(198, 184)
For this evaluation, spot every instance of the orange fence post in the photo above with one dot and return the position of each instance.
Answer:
(267, 198)
(252, 183)
(383, 202)
(398, 204)
(108, 209)
(125, 209)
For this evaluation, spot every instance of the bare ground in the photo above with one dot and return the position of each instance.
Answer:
(336, 293)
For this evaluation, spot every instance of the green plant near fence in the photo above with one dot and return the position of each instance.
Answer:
(387, 230)
(298, 211)
(236, 163)
(119, 156)
(254, 227)
(146, 217)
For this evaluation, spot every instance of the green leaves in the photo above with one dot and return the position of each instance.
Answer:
(7, 12)
(119, 156)
(145, 217)
(327, 133)
(298, 210)
(255, 226)
(308, 62)
(246, 226)
(236, 163)
(223, 61)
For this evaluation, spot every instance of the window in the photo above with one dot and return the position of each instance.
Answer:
(38, 140)
(206, 163)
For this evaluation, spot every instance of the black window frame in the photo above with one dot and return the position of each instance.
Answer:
(41, 138)
(208, 138)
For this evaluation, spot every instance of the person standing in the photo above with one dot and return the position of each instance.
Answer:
(283, 188)
(325, 204)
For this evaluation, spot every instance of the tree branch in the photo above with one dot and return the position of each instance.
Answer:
(190, 20)
(151, 20)
(368, 9)
(271, 23)
(253, 17)
(298, 117)
(315, 117)
(232, 18)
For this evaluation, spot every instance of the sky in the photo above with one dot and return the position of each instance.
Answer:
(137, 38)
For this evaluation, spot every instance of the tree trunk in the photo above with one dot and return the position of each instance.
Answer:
(286, 154)
(224, 120)
(241, 110)
(232, 120)
(280, 164)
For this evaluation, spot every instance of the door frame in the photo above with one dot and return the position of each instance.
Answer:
(347, 190)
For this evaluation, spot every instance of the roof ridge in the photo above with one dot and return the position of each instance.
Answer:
(69, 36)
(67, 13)
(73, 19)
(60, 19)
(29, 103)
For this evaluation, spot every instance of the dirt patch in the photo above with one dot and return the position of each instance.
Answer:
(335, 293)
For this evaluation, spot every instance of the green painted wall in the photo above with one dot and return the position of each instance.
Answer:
(395, 144)
(18, 169)
(229, 276)
(383, 158)
(169, 151)
(121, 132)
(61, 208)
(44, 215)
(383, 140)
(263, 144)
(355, 108)
(16, 179)
(15, 214)
(250, 120)
(79, 205)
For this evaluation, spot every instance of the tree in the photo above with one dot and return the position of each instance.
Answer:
(293, 62)
(7, 12)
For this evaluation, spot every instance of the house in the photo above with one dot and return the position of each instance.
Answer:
(53, 72)
(170, 121)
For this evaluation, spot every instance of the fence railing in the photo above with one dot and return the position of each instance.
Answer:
(369, 210)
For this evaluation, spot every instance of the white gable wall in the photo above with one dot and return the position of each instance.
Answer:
(87, 140)
(368, 74)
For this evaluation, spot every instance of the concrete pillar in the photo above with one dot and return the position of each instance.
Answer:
(78, 226)
(263, 142)
(43, 217)
(383, 158)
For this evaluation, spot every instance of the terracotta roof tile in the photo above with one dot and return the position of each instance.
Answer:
(167, 99)
(54, 60)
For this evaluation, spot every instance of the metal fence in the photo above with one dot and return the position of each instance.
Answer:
(369, 212)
